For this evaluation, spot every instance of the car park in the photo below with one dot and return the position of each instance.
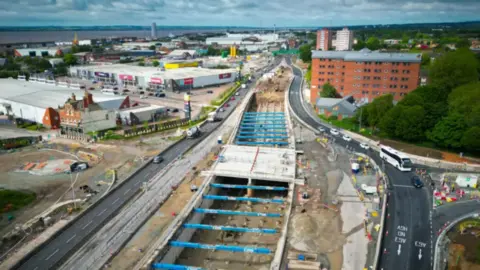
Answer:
(334, 131)
(346, 138)
(417, 182)
(364, 146)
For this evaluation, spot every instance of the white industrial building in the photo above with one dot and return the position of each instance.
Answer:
(137, 45)
(38, 102)
(155, 78)
(42, 52)
(140, 114)
(344, 41)
(249, 42)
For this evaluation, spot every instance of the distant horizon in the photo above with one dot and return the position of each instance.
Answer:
(120, 26)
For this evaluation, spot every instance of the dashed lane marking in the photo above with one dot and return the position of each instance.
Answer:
(51, 255)
(86, 225)
(103, 211)
(71, 238)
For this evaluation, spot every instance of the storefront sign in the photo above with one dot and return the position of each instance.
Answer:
(102, 74)
(124, 77)
(156, 80)
(225, 76)
(188, 81)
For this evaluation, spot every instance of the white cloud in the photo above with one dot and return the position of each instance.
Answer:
(234, 12)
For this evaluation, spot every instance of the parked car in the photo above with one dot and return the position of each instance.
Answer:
(233, 98)
(78, 166)
(226, 105)
(160, 95)
(209, 92)
(143, 97)
(334, 131)
(237, 94)
(346, 138)
(175, 110)
(150, 93)
(221, 110)
(417, 182)
(91, 88)
(321, 129)
(157, 159)
(364, 146)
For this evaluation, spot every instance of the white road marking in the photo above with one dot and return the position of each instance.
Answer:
(137, 183)
(115, 201)
(128, 190)
(101, 213)
(70, 239)
(86, 225)
(51, 255)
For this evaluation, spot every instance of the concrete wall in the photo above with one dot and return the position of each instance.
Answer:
(212, 80)
(24, 111)
(98, 120)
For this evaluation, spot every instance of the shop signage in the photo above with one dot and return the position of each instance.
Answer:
(225, 76)
(102, 74)
(124, 77)
(156, 80)
(188, 81)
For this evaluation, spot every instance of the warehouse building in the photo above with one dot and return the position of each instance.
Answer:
(42, 52)
(140, 114)
(155, 78)
(39, 102)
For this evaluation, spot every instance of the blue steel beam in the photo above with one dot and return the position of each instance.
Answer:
(264, 113)
(256, 250)
(256, 143)
(263, 126)
(235, 213)
(262, 132)
(229, 228)
(262, 129)
(246, 121)
(265, 117)
(174, 266)
(263, 137)
(243, 199)
(248, 187)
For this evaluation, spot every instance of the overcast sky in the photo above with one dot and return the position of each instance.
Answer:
(260, 13)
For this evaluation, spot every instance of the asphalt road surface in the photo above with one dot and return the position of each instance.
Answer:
(408, 244)
(451, 211)
(58, 249)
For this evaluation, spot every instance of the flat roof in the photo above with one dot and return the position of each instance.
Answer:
(367, 55)
(179, 73)
(147, 108)
(44, 95)
(272, 164)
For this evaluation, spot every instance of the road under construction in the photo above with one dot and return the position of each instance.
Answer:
(244, 204)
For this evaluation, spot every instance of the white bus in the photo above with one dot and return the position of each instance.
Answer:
(397, 159)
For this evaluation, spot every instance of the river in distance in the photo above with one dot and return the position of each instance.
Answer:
(67, 35)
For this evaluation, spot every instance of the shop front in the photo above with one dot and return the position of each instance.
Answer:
(126, 80)
(156, 84)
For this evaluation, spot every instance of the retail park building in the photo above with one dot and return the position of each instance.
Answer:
(365, 74)
(155, 78)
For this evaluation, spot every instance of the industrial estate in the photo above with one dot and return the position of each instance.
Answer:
(271, 149)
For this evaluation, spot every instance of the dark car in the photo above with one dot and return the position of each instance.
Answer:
(175, 110)
(157, 159)
(78, 166)
(160, 94)
(209, 92)
(417, 182)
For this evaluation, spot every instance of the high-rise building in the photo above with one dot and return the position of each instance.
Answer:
(324, 39)
(344, 40)
(365, 74)
(154, 30)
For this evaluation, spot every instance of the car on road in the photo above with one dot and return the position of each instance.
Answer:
(321, 129)
(346, 138)
(334, 131)
(160, 94)
(226, 105)
(78, 166)
(417, 182)
(221, 110)
(364, 146)
(237, 94)
(91, 88)
(233, 98)
(157, 159)
(209, 92)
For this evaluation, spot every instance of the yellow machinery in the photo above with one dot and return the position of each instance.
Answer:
(180, 65)
(233, 51)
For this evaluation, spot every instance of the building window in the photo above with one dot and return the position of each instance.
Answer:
(341, 87)
(106, 116)
(384, 78)
(386, 71)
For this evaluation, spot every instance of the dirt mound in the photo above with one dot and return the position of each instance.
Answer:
(316, 232)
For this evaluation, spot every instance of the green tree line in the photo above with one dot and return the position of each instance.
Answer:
(445, 112)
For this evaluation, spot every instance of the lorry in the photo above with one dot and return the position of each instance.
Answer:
(213, 117)
(193, 132)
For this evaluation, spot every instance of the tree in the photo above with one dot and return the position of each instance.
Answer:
(378, 108)
(465, 100)
(212, 51)
(425, 59)
(360, 45)
(308, 74)
(155, 63)
(142, 64)
(454, 69)
(69, 59)
(152, 48)
(405, 39)
(449, 131)
(409, 125)
(328, 91)
(470, 138)
(412, 99)
(373, 43)
(388, 123)
(462, 43)
(306, 53)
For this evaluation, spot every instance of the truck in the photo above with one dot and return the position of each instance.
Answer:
(213, 117)
(193, 132)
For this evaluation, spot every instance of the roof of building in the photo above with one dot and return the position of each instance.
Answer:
(45, 96)
(343, 105)
(3, 61)
(175, 74)
(182, 52)
(137, 109)
(367, 55)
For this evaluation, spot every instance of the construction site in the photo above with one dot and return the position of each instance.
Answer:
(238, 217)
(464, 244)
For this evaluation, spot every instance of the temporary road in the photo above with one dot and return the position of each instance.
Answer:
(408, 233)
(54, 252)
